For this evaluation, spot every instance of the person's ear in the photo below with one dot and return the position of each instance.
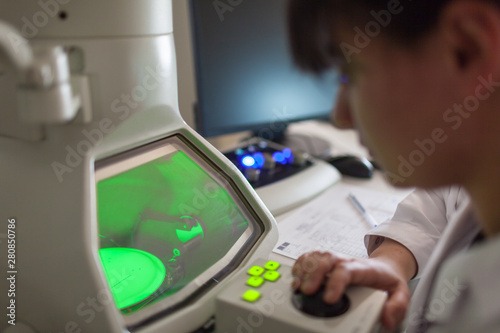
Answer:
(341, 116)
(472, 33)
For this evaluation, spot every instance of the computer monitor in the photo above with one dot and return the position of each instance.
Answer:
(246, 79)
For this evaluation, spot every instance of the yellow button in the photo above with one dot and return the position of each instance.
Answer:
(256, 270)
(251, 295)
(271, 275)
(255, 281)
(272, 265)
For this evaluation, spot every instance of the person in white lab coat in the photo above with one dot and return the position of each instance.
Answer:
(420, 83)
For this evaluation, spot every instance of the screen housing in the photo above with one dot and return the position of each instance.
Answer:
(113, 166)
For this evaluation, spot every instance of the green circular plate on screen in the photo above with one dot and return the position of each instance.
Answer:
(133, 275)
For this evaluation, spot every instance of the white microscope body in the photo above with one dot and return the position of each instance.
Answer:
(123, 94)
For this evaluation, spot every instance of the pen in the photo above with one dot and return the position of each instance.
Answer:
(368, 218)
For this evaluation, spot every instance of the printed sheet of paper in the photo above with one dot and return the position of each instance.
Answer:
(331, 223)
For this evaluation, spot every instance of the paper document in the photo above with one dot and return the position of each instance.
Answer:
(330, 222)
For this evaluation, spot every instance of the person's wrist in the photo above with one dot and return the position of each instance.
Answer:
(397, 257)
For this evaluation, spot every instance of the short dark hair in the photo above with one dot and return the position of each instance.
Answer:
(312, 25)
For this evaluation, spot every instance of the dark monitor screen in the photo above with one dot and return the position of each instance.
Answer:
(246, 79)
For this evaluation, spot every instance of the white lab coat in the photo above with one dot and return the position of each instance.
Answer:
(459, 287)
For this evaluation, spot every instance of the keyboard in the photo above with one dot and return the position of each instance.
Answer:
(282, 177)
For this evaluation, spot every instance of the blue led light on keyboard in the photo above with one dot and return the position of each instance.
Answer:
(248, 161)
(287, 153)
(259, 159)
(279, 157)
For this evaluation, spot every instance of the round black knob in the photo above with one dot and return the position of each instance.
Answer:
(315, 305)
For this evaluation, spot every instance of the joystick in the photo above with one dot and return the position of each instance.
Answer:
(314, 304)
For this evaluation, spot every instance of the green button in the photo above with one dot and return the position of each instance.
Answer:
(251, 295)
(272, 265)
(256, 270)
(271, 275)
(255, 281)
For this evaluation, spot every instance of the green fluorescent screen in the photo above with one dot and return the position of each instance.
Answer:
(171, 209)
(133, 275)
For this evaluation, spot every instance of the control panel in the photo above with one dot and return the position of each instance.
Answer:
(283, 178)
(264, 162)
(260, 299)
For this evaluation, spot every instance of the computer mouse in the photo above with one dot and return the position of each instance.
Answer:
(314, 304)
(353, 166)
